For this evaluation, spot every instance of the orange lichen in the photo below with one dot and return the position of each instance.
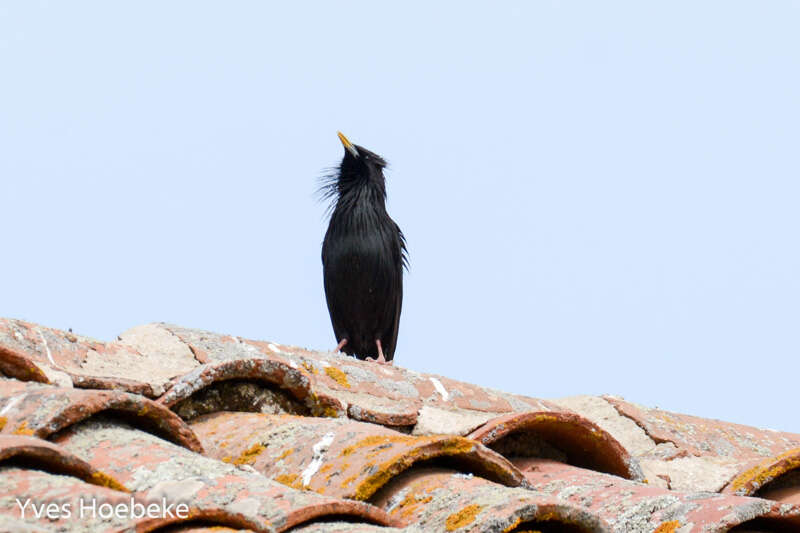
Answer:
(349, 480)
(457, 446)
(463, 517)
(104, 480)
(513, 524)
(668, 527)
(426, 448)
(226, 459)
(754, 478)
(326, 411)
(326, 467)
(308, 366)
(338, 376)
(23, 429)
(143, 411)
(289, 480)
(3, 422)
(250, 455)
(407, 508)
(286, 453)
(376, 440)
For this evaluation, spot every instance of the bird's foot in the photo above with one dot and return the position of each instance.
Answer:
(381, 360)
(340, 345)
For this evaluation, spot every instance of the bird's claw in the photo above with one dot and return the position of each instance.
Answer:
(380, 360)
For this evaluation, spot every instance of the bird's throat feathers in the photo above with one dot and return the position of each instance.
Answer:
(361, 179)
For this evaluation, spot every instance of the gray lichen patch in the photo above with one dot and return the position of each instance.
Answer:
(239, 395)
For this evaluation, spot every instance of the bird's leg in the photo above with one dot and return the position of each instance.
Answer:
(341, 345)
(381, 359)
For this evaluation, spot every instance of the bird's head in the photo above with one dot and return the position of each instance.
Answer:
(359, 164)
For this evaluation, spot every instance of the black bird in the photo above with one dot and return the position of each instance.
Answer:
(363, 256)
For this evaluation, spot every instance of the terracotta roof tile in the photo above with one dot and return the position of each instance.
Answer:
(629, 506)
(156, 468)
(437, 499)
(344, 527)
(66, 503)
(40, 410)
(35, 353)
(339, 385)
(337, 457)
(432, 454)
(51, 458)
(578, 440)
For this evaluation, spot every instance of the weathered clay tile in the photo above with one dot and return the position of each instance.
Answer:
(51, 458)
(782, 470)
(346, 527)
(272, 371)
(12, 525)
(42, 410)
(395, 396)
(629, 506)
(31, 352)
(426, 475)
(338, 457)
(438, 499)
(579, 441)
(73, 504)
(208, 529)
(687, 453)
(702, 436)
(154, 468)
(386, 395)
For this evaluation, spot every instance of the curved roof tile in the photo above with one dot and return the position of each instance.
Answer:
(630, 506)
(156, 468)
(582, 441)
(386, 434)
(341, 458)
(40, 410)
(437, 499)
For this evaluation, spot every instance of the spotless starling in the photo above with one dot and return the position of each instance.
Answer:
(363, 256)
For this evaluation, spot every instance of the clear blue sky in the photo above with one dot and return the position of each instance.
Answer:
(598, 197)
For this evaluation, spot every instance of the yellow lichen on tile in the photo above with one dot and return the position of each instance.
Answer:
(754, 478)
(250, 455)
(349, 480)
(407, 508)
(376, 440)
(369, 486)
(103, 479)
(289, 480)
(23, 429)
(513, 524)
(462, 518)
(457, 446)
(286, 453)
(668, 527)
(338, 376)
(325, 411)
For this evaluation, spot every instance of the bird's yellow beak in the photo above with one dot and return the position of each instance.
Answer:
(347, 144)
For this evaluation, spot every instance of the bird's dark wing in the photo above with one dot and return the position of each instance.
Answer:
(395, 303)
(363, 278)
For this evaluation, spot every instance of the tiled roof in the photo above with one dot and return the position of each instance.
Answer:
(259, 436)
